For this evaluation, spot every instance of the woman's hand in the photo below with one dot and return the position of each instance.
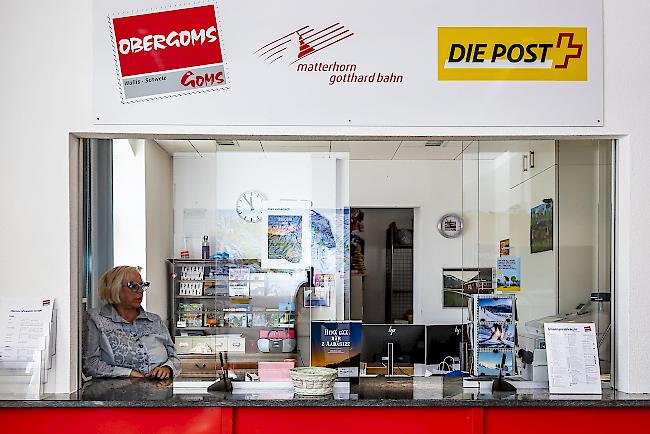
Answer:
(161, 373)
(136, 374)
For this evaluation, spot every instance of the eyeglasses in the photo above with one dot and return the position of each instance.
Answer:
(136, 287)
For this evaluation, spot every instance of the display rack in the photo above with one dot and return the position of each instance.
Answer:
(234, 307)
(493, 334)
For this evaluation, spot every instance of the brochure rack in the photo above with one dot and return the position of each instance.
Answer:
(23, 378)
(27, 346)
(493, 334)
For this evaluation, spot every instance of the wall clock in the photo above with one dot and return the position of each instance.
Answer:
(249, 206)
(450, 225)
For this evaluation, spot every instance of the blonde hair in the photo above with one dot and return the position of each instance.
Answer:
(111, 282)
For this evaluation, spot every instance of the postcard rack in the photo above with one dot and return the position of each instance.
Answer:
(493, 334)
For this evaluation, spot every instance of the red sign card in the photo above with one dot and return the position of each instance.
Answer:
(161, 52)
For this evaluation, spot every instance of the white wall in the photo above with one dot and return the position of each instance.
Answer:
(56, 38)
(198, 194)
(578, 197)
(538, 297)
(432, 188)
(142, 214)
(129, 201)
(159, 214)
(496, 206)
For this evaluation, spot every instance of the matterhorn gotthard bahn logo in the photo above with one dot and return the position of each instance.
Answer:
(310, 50)
(168, 52)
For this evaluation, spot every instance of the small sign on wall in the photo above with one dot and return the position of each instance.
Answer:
(504, 247)
(541, 227)
(509, 274)
(168, 52)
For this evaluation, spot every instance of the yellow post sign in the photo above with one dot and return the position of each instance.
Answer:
(512, 53)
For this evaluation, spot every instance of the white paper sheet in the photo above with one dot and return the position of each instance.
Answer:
(24, 324)
(572, 356)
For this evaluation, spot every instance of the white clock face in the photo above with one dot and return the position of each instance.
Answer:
(249, 206)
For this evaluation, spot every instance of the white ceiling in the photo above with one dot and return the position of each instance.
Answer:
(358, 150)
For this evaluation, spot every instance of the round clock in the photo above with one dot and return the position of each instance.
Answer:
(249, 206)
(450, 225)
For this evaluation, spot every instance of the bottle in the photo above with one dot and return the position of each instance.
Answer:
(205, 248)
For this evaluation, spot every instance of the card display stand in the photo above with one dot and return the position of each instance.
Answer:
(493, 332)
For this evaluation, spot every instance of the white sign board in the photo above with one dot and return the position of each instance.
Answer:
(363, 63)
(572, 357)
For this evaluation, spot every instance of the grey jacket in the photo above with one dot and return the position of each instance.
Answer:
(115, 347)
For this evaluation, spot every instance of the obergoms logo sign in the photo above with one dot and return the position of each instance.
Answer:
(173, 51)
(512, 53)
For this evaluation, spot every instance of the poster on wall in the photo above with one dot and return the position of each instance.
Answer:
(509, 274)
(504, 247)
(287, 226)
(337, 345)
(541, 227)
(323, 241)
(168, 63)
(319, 294)
(458, 284)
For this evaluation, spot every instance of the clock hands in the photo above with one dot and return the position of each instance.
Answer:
(249, 206)
(249, 202)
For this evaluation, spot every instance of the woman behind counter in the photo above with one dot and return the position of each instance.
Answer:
(123, 340)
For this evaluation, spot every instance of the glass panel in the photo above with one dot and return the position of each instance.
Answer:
(281, 226)
(546, 207)
(585, 195)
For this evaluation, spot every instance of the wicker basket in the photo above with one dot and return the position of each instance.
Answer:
(313, 381)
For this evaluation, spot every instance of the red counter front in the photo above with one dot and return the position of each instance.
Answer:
(331, 420)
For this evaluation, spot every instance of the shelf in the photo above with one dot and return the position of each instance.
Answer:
(203, 296)
(257, 356)
(203, 311)
(285, 326)
(201, 280)
(235, 296)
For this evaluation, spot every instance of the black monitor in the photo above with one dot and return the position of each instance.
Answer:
(409, 341)
(445, 340)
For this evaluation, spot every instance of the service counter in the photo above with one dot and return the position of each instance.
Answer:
(375, 405)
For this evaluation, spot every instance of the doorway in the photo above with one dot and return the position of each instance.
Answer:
(382, 259)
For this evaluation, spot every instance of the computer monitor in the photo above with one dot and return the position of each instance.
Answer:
(409, 342)
(445, 340)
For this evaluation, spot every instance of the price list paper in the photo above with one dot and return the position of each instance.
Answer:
(25, 326)
(572, 355)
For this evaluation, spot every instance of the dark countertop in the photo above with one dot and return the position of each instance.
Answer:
(370, 392)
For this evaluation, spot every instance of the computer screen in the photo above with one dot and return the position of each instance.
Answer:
(409, 342)
(445, 340)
